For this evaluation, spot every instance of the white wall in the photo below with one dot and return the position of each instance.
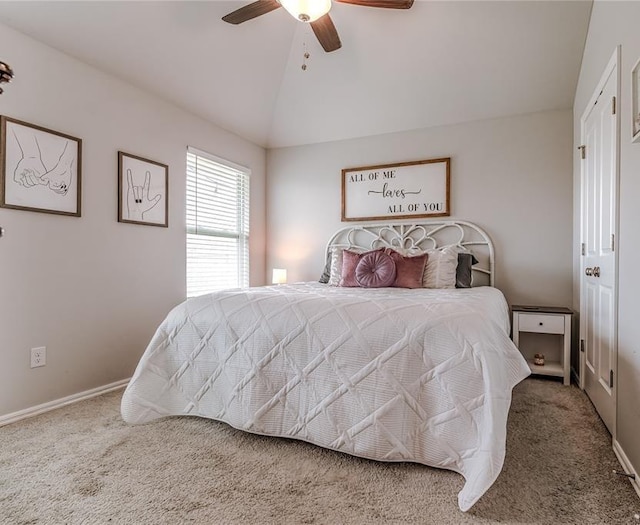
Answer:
(511, 176)
(90, 289)
(612, 24)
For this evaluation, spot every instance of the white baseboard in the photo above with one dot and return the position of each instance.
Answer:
(626, 465)
(58, 403)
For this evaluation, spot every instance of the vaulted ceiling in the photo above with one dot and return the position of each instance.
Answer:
(439, 63)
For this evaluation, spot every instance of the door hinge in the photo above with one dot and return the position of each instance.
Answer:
(582, 345)
(613, 105)
(583, 152)
(613, 241)
(610, 378)
(583, 249)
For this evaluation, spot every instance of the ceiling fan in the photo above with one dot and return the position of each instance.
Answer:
(315, 12)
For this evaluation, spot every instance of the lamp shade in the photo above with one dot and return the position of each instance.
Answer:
(279, 276)
(306, 10)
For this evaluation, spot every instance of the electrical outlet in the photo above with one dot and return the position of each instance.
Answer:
(38, 356)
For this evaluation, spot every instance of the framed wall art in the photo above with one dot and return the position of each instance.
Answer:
(635, 102)
(143, 191)
(404, 190)
(40, 169)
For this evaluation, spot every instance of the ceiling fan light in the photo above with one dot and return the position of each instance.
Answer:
(306, 10)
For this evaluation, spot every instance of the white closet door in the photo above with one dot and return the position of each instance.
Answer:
(599, 268)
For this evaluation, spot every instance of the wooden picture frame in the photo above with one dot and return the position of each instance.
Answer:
(143, 191)
(406, 190)
(635, 102)
(40, 169)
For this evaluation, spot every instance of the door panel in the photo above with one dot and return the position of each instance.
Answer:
(589, 313)
(605, 341)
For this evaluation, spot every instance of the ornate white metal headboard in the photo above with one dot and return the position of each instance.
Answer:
(421, 236)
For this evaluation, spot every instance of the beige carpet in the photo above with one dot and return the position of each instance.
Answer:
(83, 465)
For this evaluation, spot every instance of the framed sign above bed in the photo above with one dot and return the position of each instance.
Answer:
(404, 190)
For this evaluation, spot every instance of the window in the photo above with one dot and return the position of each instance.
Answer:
(217, 224)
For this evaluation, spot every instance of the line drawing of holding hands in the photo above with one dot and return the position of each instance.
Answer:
(31, 170)
(138, 201)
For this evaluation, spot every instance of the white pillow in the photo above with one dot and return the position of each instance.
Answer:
(440, 271)
(335, 271)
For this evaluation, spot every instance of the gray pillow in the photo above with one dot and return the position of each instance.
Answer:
(464, 270)
(326, 272)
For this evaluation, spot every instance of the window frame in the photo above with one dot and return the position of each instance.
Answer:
(241, 235)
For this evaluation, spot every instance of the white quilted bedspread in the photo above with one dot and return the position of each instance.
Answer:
(388, 374)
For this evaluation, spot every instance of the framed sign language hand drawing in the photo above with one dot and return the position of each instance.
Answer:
(143, 191)
(404, 190)
(40, 169)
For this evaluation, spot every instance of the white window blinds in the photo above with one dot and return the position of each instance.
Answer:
(217, 224)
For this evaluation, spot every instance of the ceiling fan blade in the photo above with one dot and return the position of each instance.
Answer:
(387, 4)
(253, 10)
(326, 33)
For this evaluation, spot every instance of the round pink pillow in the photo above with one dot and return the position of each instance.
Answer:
(376, 270)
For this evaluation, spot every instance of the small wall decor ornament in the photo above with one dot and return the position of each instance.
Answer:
(635, 102)
(6, 74)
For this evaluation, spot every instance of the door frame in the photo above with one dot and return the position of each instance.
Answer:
(614, 63)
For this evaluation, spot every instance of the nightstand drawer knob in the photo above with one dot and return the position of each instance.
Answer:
(540, 324)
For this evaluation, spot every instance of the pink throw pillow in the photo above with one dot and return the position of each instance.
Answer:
(409, 270)
(376, 270)
(350, 262)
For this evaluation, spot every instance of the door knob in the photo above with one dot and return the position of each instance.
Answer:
(588, 272)
(596, 271)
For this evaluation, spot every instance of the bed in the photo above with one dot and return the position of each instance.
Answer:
(392, 374)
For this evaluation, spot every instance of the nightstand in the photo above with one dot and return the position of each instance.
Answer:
(546, 320)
